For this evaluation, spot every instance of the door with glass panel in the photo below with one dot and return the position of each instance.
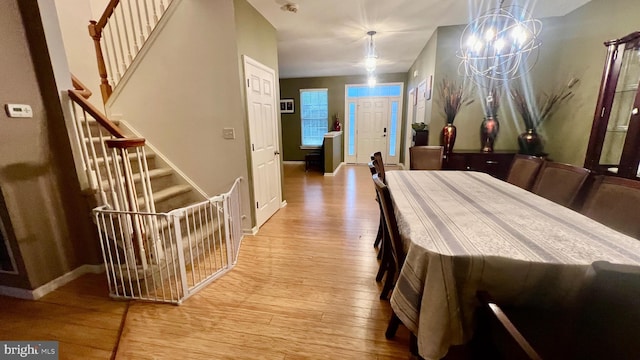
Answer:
(373, 118)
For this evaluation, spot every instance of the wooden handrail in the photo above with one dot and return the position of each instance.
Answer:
(96, 34)
(125, 143)
(106, 15)
(82, 88)
(113, 129)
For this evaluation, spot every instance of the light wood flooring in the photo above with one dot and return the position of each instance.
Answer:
(303, 288)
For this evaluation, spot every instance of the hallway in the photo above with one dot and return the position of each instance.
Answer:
(303, 288)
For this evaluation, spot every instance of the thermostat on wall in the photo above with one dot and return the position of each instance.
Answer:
(19, 110)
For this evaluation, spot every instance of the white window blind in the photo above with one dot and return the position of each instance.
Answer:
(314, 113)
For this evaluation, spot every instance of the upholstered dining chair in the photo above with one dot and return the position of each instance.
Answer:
(425, 157)
(602, 323)
(560, 183)
(524, 170)
(376, 157)
(615, 202)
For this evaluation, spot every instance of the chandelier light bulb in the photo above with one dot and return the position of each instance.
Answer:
(370, 63)
(372, 80)
(490, 34)
(499, 44)
(519, 35)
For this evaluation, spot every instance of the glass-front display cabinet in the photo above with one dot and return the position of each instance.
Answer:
(614, 144)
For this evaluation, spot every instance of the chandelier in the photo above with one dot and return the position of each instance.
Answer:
(370, 60)
(499, 45)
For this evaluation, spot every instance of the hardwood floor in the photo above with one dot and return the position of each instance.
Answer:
(303, 288)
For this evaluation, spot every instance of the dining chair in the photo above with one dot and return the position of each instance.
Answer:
(392, 237)
(602, 323)
(491, 312)
(524, 170)
(425, 157)
(615, 202)
(560, 183)
(378, 240)
(376, 157)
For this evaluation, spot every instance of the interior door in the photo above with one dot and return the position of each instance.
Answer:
(263, 132)
(409, 131)
(372, 122)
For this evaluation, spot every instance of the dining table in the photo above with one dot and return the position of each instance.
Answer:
(466, 231)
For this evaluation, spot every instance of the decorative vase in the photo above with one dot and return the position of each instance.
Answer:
(488, 132)
(530, 143)
(448, 138)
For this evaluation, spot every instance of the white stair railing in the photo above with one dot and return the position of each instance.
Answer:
(125, 26)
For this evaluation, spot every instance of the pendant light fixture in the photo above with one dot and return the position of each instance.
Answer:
(370, 60)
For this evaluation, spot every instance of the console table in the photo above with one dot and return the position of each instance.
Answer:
(495, 163)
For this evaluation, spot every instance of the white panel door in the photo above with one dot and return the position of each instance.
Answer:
(263, 128)
(409, 131)
(372, 121)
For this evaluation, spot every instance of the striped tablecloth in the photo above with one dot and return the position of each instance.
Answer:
(467, 231)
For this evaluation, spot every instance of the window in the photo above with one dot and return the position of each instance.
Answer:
(314, 113)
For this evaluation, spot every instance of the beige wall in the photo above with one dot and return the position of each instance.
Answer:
(290, 88)
(37, 176)
(186, 90)
(257, 39)
(74, 18)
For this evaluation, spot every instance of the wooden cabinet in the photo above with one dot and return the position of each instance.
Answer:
(496, 163)
(421, 138)
(614, 144)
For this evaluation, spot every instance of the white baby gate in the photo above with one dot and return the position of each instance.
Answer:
(167, 257)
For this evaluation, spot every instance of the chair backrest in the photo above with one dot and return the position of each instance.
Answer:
(391, 223)
(379, 163)
(560, 183)
(524, 170)
(372, 167)
(490, 307)
(615, 202)
(425, 157)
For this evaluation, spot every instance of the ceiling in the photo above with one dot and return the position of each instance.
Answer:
(328, 37)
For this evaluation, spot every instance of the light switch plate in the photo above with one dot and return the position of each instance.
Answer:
(228, 133)
(19, 111)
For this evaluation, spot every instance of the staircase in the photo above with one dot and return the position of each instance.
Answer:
(170, 191)
(162, 239)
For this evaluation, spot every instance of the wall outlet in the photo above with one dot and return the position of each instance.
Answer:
(228, 133)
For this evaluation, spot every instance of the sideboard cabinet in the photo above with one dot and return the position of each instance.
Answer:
(495, 163)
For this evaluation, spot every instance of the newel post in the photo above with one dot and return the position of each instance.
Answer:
(96, 35)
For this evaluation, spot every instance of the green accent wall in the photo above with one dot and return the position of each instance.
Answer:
(290, 88)
(572, 46)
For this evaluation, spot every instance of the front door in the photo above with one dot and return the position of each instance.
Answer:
(372, 128)
(263, 132)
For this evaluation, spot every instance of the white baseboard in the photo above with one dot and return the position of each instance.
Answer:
(51, 285)
(335, 171)
(283, 203)
(252, 231)
(292, 162)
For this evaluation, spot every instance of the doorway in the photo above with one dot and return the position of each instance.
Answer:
(373, 122)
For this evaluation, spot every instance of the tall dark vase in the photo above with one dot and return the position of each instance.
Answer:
(530, 143)
(448, 138)
(488, 132)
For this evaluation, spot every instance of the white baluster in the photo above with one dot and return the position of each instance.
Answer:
(140, 26)
(115, 56)
(136, 48)
(126, 36)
